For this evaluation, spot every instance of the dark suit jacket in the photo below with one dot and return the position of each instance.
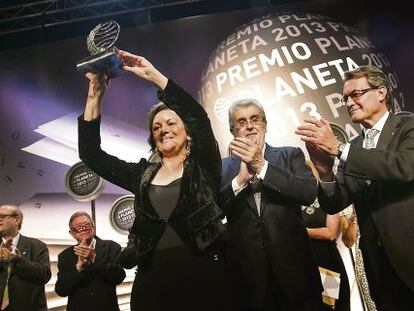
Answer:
(28, 276)
(276, 242)
(388, 201)
(94, 288)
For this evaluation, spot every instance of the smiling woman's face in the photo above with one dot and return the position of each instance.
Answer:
(169, 133)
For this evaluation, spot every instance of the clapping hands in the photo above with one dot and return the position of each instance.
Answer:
(86, 254)
(7, 254)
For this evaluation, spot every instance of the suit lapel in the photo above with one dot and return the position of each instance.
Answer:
(145, 205)
(234, 167)
(247, 196)
(270, 156)
(23, 246)
(98, 249)
(358, 140)
(388, 131)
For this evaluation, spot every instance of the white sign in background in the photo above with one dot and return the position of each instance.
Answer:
(293, 64)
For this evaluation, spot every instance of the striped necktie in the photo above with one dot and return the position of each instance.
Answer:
(370, 138)
(370, 143)
(255, 183)
(5, 300)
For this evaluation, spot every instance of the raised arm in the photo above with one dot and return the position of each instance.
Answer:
(98, 84)
(107, 166)
(204, 146)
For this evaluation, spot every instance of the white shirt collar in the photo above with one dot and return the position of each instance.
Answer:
(15, 240)
(380, 123)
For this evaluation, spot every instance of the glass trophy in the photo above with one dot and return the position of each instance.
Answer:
(104, 55)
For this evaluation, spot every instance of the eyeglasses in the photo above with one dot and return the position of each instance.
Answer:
(7, 215)
(243, 122)
(82, 227)
(356, 94)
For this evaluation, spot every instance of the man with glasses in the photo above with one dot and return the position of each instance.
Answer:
(89, 271)
(262, 191)
(24, 265)
(376, 174)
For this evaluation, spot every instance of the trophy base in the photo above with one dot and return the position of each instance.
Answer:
(106, 61)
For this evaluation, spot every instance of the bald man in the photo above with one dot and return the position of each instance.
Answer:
(24, 265)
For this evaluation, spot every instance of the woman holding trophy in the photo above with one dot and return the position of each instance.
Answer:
(176, 239)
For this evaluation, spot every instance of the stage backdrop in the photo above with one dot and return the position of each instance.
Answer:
(289, 58)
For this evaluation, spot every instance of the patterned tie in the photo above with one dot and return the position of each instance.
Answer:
(370, 143)
(370, 138)
(255, 183)
(5, 300)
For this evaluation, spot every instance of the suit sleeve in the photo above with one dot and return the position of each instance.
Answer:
(389, 165)
(295, 182)
(340, 198)
(36, 269)
(129, 255)
(68, 277)
(227, 195)
(109, 268)
(117, 171)
(205, 147)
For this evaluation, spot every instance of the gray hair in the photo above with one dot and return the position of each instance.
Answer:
(375, 77)
(79, 214)
(245, 103)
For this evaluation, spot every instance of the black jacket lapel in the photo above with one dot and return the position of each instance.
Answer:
(388, 131)
(23, 245)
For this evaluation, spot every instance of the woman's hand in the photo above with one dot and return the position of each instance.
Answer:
(142, 68)
(349, 229)
(98, 84)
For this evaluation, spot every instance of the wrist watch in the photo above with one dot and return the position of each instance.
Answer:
(341, 148)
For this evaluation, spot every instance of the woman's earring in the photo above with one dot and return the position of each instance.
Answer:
(189, 145)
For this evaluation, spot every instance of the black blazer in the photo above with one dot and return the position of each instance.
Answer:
(388, 199)
(276, 242)
(196, 218)
(28, 276)
(94, 288)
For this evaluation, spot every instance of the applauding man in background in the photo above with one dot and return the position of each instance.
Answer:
(89, 271)
(24, 265)
(376, 174)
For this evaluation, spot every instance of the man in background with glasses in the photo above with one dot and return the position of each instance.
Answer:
(376, 174)
(89, 271)
(262, 191)
(24, 265)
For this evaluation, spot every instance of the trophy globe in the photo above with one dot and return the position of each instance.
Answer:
(104, 55)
